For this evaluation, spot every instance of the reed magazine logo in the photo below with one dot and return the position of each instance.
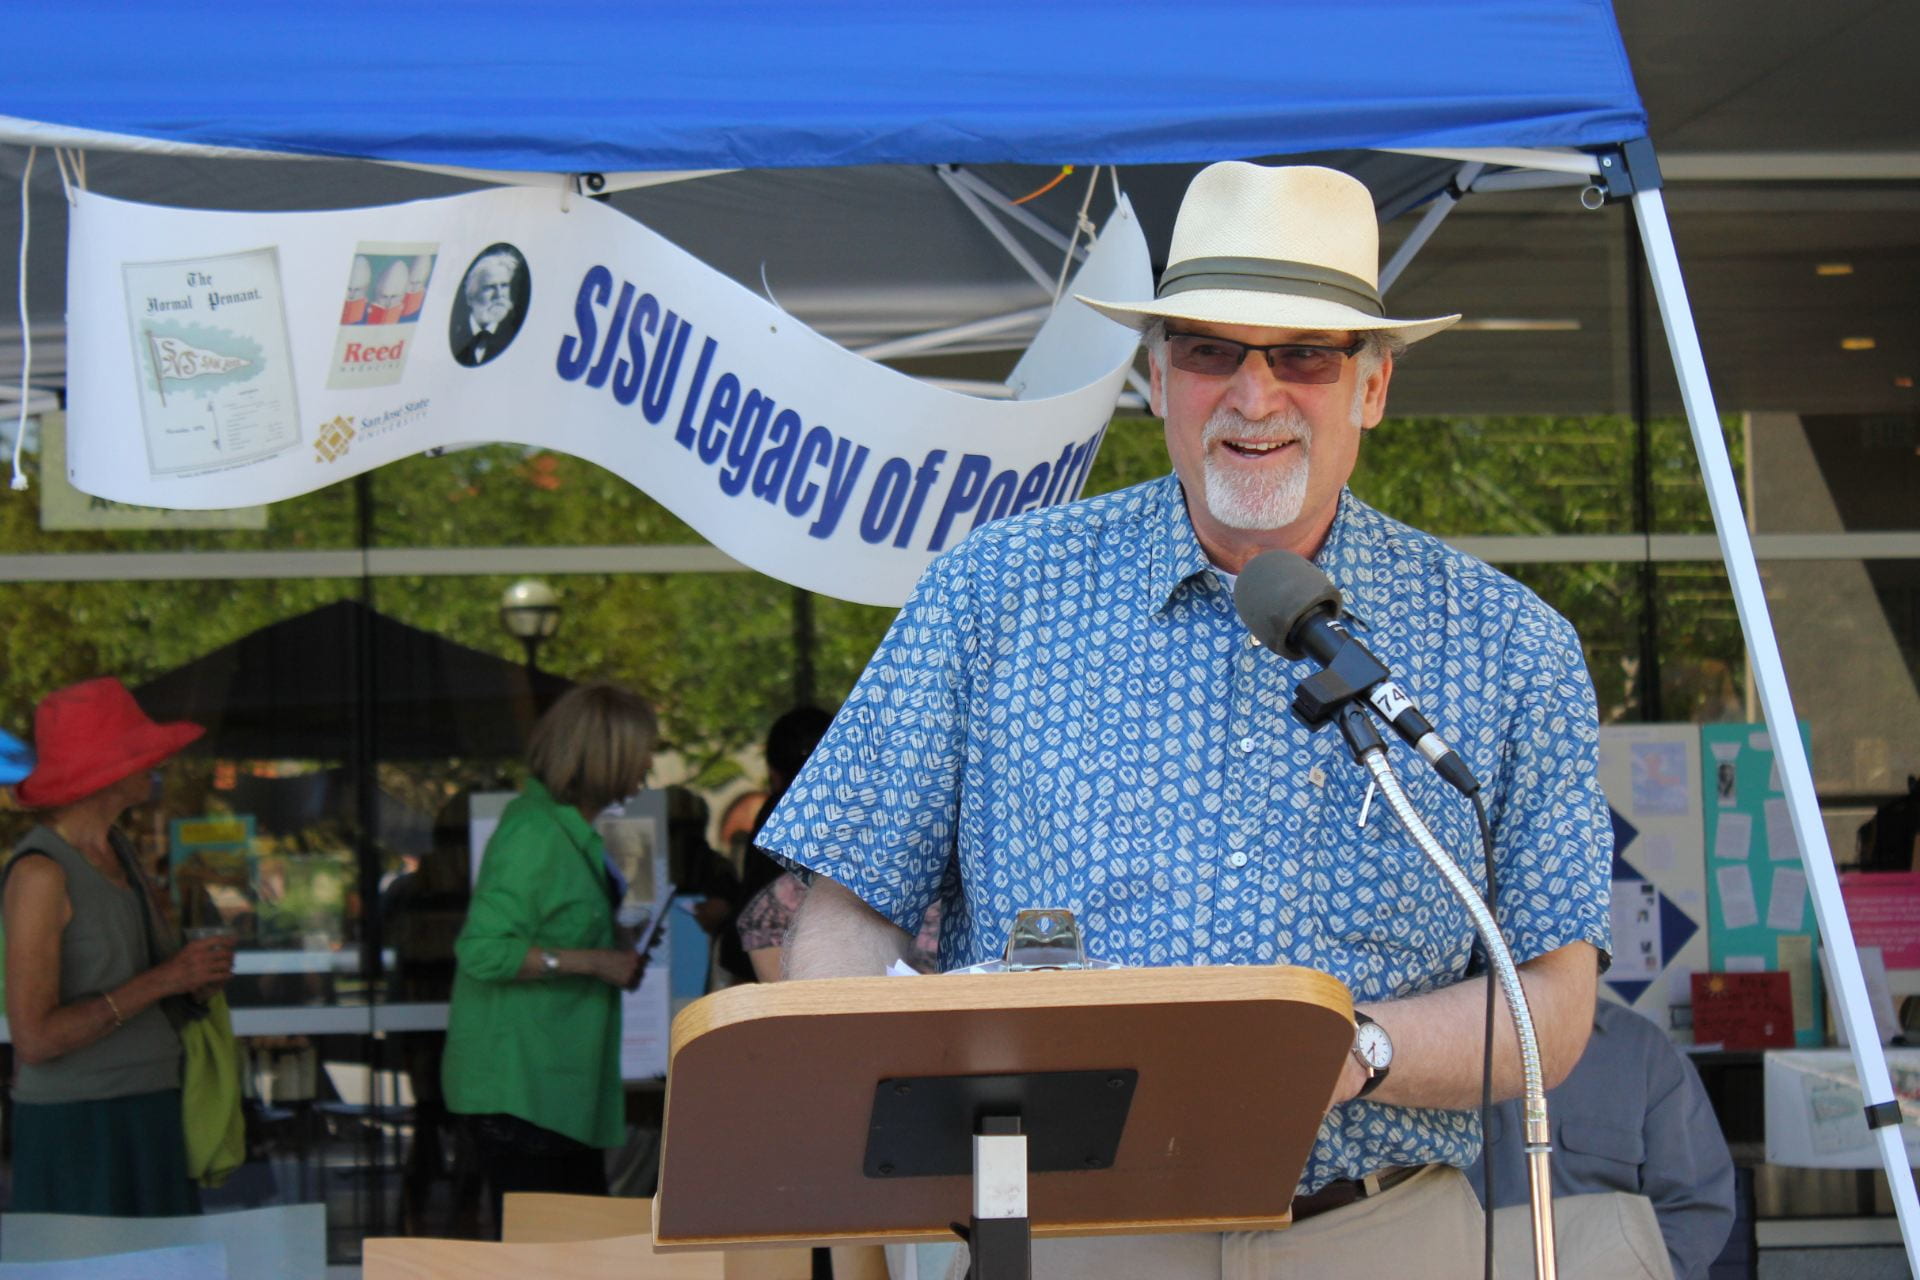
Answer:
(379, 318)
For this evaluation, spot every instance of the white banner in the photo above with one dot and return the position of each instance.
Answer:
(224, 359)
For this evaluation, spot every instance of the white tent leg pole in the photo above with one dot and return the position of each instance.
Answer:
(1763, 648)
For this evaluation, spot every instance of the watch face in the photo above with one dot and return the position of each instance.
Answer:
(1370, 1041)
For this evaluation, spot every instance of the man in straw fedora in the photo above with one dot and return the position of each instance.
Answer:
(1070, 713)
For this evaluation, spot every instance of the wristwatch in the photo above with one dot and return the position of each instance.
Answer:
(550, 965)
(1372, 1049)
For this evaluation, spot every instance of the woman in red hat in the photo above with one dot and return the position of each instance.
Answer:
(90, 959)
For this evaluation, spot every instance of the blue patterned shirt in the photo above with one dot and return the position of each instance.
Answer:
(1069, 713)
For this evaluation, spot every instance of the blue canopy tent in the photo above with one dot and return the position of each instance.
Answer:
(609, 87)
(1470, 95)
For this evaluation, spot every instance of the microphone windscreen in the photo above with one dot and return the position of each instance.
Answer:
(1275, 592)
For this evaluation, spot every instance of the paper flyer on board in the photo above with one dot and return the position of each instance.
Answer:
(211, 357)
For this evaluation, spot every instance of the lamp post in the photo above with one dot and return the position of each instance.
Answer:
(530, 611)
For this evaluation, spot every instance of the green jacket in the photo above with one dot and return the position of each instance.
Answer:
(546, 1050)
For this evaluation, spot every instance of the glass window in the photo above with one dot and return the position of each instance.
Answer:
(1478, 475)
(1851, 473)
(502, 495)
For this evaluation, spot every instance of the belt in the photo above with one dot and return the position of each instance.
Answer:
(1344, 1191)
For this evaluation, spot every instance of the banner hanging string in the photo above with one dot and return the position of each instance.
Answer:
(1083, 225)
(26, 333)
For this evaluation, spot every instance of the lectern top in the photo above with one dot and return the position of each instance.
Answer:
(770, 1096)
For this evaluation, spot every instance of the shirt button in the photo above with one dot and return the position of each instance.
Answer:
(1237, 859)
(1246, 746)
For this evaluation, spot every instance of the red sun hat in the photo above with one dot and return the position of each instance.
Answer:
(90, 735)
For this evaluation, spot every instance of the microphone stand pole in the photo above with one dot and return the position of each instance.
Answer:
(1371, 752)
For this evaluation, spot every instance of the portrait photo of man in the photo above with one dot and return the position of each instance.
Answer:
(492, 300)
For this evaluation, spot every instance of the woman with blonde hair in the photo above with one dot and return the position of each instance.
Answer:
(533, 1035)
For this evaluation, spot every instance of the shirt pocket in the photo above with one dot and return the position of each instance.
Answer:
(1392, 923)
(1616, 1148)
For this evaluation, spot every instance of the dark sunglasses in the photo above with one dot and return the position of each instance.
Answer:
(1212, 357)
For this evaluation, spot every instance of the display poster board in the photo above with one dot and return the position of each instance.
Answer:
(211, 859)
(1816, 1118)
(1651, 776)
(1884, 909)
(1760, 914)
(636, 838)
(483, 815)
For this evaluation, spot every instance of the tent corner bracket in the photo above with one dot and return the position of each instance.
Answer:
(1624, 169)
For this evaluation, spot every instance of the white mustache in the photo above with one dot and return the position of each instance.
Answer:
(1287, 426)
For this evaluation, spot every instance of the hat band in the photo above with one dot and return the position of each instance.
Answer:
(1272, 275)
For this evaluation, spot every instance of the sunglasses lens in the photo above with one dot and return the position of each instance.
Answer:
(1209, 357)
(1311, 365)
(1212, 357)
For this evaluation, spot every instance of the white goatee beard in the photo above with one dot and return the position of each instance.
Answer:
(1242, 501)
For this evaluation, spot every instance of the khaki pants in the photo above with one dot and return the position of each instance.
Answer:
(1609, 1235)
(1427, 1226)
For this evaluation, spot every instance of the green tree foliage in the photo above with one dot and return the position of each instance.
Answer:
(718, 652)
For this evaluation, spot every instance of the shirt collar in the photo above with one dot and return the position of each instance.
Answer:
(578, 828)
(1173, 549)
(1360, 553)
(1364, 558)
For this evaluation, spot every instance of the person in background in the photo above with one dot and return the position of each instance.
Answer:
(533, 1034)
(771, 893)
(700, 872)
(1632, 1117)
(91, 956)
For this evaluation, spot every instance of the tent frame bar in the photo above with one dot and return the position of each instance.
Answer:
(1429, 223)
(1783, 727)
(973, 204)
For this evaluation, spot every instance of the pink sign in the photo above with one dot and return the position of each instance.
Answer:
(1884, 908)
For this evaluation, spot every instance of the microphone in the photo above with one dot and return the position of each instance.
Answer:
(1294, 609)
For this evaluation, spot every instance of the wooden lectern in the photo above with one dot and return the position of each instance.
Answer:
(841, 1111)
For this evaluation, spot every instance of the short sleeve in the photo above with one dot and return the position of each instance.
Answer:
(876, 808)
(1553, 835)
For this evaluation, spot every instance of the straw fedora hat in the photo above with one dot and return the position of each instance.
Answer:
(1293, 247)
(90, 735)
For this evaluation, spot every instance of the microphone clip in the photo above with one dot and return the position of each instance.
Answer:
(1347, 677)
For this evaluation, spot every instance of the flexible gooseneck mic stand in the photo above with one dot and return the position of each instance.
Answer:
(1371, 752)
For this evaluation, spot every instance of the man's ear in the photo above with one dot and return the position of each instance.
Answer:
(1156, 388)
(1373, 402)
